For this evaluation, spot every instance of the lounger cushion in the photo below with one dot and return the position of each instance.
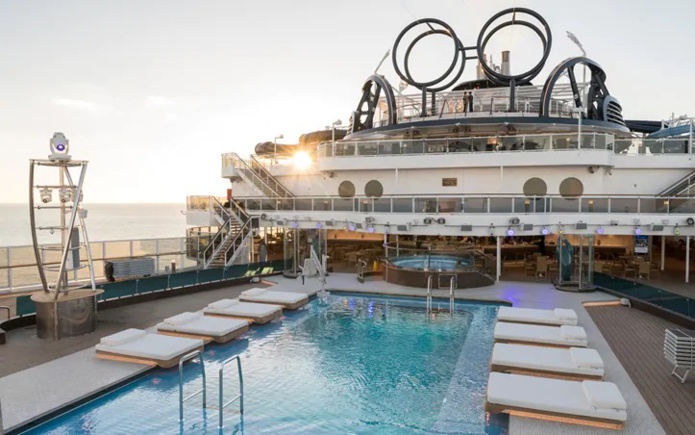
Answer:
(183, 318)
(206, 326)
(254, 292)
(538, 334)
(154, 346)
(532, 315)
(573, 332)
(586, 358)
(242, 309)
(563, 313)
(546, 359)
(603, 395)
(224, 303)
(551, 395)
(123, 337)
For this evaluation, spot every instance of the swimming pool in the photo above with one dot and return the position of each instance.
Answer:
(358, 364)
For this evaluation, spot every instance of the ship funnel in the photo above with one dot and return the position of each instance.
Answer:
(506, 67)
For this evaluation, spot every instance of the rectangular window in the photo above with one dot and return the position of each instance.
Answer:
(448, 182)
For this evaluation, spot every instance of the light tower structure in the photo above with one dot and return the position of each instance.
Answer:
(67, 305)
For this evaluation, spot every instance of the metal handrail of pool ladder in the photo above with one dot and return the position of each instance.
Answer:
(451, 294)
(429, 293)
(183, 359)
(239, 396)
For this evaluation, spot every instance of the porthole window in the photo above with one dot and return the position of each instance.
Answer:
(374, 188)
(535, 187)
(571, 188)
(346, 189)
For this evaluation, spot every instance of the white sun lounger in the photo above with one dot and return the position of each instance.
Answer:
(558, 316)
(562, 336)
(592, 403)
(288, 300)
(256, 313)
(572, 363)
(196, 325)
(136, 345)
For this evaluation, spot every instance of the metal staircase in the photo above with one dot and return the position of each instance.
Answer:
(256, 175)
(682, 187)
(231, 240)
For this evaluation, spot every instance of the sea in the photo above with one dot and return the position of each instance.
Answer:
(104, 222)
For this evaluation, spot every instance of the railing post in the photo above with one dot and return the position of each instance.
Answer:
(156, 255)
(131, 248)
(9, 274)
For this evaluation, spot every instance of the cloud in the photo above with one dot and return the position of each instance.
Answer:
(75, 104)
(159, 101)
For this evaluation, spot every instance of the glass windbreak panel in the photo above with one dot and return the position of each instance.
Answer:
(565, 205)
(654, 146)
(449, 205)
(511, 143)
(365, 204)
(523, 205)
(117, 249)
(539, 204)
(594, 205)
(413, 147)
(322, 204)
(382, 205)
(342, 204)
(268, 204)
(402, 205)
(435, 146)
(623, 205)
(344, 149)
(22, 255)
(588, 141)
(676, 146)
(302, 204)
(367, 149)
(327, 150)
(678, 205)
(564, 141)
(501, 205)
(389, 148)
(252, 204)
(143, 248)
(425, 205)
(475, 205)
(624, 145)
(599, 141)
(481, 144)
(653, 205)
(533, 143)
(285, 204)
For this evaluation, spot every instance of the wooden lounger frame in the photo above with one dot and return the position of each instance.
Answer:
(543, 373)
(554, 416)
(146, 361)
(260, 320)
(535, 343)
(533, 323)
(207, 338)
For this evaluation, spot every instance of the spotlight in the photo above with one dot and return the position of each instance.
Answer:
(370, 229)
(295, 224)
(510, 232)
(46, 195)
(441, 221)
(351, 227)
(318, 225)
(545, 231)
(599, 230)
(638, 231)
(690, 221)
(65, 194)
(514, 221)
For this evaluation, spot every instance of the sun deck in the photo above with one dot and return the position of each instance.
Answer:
(25, 404)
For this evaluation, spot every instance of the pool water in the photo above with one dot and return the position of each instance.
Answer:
(359, 365)
(431, 262)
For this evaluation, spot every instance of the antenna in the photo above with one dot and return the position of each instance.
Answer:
(382, 60)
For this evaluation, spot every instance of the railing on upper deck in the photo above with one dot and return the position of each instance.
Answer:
(478, 204)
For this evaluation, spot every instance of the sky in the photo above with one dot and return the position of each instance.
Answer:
(153, 92)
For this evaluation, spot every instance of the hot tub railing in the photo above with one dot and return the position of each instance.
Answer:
(452, 283)
(429, 293)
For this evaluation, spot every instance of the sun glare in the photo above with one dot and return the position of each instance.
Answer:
(302, 160)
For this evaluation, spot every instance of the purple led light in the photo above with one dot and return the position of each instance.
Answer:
(370, 229)
(351, 227)
(295, 224)
(638, 231)
(318, 225)
(545, 231)
(60, 147)
(510, 232)
(599, 230)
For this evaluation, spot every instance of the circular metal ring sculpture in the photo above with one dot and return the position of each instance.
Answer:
(363, 117)
(546, 40)
(444, 30)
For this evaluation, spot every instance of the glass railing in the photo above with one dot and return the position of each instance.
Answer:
(18, 267)
(478, 204)
(519, 143)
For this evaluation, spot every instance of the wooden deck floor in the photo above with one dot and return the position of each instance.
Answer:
(637, 339)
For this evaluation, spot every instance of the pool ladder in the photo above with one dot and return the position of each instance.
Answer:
(203, 390)
(452, 300)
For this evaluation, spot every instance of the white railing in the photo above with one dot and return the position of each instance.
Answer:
(18, 270)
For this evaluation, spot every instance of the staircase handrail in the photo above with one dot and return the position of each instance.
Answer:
(217, 240)
(284, 192)
(239, 162)
(669, 191)
(242, 234)
(219, 209)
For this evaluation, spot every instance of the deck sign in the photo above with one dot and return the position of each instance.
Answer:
(641, 245)
(449, 182)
